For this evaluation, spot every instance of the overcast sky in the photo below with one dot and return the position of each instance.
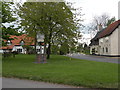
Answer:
(97, 7)
(93, 8)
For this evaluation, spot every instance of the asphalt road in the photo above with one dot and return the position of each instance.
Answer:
(18, 83)
(96, 58)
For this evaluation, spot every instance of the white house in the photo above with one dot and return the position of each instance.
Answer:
(18, 42)
(106, 41)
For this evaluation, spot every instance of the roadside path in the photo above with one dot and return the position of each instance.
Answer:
(18, 83)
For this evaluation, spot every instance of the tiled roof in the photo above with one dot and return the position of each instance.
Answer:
(105, 32)
(95, 40)
(108, 31)
(17, 39)
(98, 34)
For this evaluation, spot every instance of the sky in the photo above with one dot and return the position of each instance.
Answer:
(96, 7)
(91, 8)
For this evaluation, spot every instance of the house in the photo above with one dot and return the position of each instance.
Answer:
(18, 43)
(106, 41)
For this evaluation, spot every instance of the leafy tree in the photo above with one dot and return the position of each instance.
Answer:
(86, 49)
(54, 49)
(80, 47)
(54, 20)
(110, 21)
(7, 17)
(28, 48)
(100, 22)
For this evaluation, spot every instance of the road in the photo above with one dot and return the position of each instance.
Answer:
(96, 58)
(18, 83)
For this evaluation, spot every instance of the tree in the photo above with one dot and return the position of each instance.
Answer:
(100, 22)
(80, 47)
(54, 20)
(8, 17)
(28, 49)
(103, 19)
(110, 21)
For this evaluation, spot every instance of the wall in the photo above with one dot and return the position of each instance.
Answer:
(114, 42)
(18, 47)
(111, 42)
(119, 41)
(96, 49)
(104, 44)
(24, 51)
(1, 51)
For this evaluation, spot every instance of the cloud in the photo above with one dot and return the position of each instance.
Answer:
(97, 7)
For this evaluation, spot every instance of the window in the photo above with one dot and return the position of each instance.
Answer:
(93, 50)
(19, 50)
(106, 49)
(101, 41)
(38, 50)
(103, 50)
(107, 39)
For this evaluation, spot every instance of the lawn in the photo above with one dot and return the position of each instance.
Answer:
(62, 70)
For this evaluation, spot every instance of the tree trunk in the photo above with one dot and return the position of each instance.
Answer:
(49, 45)
(35, 43)
(45, 46)
(48, 51)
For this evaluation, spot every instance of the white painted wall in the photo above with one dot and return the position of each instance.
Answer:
(96, 49)
(24, 51)
(18, 47)
(42, 49)
(1, 51)
(119, 41)
(114, 42)
(104, 43)
(111, 42)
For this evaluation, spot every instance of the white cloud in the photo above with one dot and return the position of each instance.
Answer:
(92, 8)
(97, 7)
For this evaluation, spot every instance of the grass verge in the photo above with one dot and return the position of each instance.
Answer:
(62, 70)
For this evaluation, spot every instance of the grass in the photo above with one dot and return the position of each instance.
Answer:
(62, 70)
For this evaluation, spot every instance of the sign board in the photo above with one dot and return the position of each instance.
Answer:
(40, 38)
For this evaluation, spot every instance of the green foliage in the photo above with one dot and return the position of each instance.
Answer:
(60, 69)
(54, 20)
(28, 48)
(55, 49)
(110, 21)
(80, 48)
(7, 17)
